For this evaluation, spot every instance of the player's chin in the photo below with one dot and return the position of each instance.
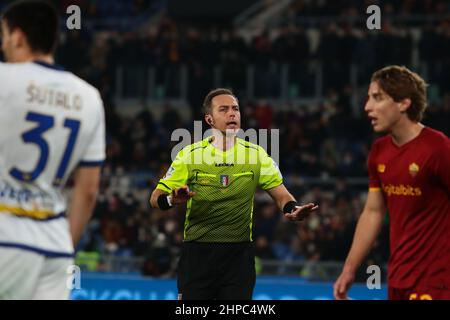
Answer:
(378, 128)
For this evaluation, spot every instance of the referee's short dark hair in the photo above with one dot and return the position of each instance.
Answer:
(207, 103)
(38, 20)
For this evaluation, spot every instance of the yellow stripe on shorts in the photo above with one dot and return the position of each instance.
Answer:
(35, 214)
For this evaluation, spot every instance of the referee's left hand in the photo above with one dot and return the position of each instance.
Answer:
(181, 195)
(301, 212)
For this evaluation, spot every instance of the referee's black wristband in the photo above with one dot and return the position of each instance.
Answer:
(163, 203)
(288, 207)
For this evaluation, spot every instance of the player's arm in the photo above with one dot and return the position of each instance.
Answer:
(86, 183)
(288, 205)
(87, 174)
(367, 230)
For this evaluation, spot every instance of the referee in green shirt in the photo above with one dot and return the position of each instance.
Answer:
(217, 177)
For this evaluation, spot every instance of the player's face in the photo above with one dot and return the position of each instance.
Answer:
(225, 113)
(381, 109)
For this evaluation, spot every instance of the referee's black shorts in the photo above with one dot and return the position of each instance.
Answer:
(223, 271)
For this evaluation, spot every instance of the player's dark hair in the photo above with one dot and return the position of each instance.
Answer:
(38, 20)
(207, 103)
(401, 83)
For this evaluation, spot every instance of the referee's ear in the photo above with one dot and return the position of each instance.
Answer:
(209, 119)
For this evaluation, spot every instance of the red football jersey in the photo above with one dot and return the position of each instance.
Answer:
(415, 181)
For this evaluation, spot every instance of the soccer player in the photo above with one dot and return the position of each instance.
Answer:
(410, 179)
(51, 126)
(217, 177)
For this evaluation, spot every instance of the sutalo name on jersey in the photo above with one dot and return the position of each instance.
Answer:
(52, 97)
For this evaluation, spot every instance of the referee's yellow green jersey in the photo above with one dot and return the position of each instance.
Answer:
(225, 184)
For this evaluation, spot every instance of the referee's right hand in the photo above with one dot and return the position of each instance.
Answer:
(181, 195)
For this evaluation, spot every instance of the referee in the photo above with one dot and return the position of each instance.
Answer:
(217, 177)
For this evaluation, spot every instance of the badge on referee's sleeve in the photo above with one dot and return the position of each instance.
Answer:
(224, 180)
(168, 173)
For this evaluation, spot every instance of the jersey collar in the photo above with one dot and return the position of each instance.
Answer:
(50, 66)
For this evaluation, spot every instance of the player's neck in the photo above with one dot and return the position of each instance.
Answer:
(30, 57)
(223, 141)
(405, 132)
(44, 58)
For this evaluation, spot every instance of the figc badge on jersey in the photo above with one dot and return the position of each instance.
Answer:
(224, 180)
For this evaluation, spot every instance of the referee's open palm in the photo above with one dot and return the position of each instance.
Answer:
(301, 212)
(181, 195)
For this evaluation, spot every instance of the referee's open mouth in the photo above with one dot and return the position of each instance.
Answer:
(232, 124)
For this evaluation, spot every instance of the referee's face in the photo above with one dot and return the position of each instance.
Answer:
(225, 114)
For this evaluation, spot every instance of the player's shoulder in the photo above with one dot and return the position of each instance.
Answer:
(67, 77)
(7, 69)
(85, 87)
(29, 69)
(435, 138)
(5, 72)
(8, 66)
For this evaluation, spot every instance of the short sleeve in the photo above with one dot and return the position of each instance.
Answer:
(270, 175)
(441, 162)
(374, 180)
(176, 176)
(95, 151)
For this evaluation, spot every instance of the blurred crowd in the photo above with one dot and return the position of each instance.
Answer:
(337, 47)
(317, 142)
(309, 8)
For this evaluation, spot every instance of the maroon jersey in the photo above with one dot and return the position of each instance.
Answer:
(415, 181)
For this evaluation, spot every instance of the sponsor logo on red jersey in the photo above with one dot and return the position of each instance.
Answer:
(401, 190)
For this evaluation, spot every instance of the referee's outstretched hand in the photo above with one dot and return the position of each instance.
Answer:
(181, 195)
(301, 212)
